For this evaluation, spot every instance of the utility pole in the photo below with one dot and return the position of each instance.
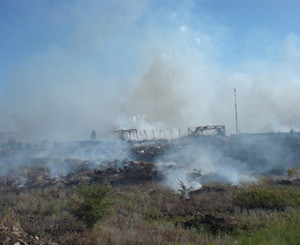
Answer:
(236, 117)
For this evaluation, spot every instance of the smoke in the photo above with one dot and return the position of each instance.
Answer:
(111, 61)
(203, 162)
(240, 159)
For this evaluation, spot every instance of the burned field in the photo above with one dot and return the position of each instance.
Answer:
(191, 190)
(116, 119)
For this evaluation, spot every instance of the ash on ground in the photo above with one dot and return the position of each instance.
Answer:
(193, 159)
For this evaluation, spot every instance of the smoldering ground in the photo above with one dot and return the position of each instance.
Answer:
(118, 60)
(192, 160)
(239, 159)
(59, 159)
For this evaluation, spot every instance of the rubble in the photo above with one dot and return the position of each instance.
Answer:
(149, 152)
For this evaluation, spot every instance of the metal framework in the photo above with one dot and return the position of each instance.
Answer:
(132, 134)
(213, 130)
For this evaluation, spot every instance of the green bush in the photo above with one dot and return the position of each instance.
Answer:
(268, 197)
(91, 204)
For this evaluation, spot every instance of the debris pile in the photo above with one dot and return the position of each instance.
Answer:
(149, 152)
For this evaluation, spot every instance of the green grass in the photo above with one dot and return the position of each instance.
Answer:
(268, 197)
(285, 231)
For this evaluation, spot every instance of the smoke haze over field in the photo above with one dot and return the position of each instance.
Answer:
(82, 65)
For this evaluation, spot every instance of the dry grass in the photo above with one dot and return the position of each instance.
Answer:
(143, 214)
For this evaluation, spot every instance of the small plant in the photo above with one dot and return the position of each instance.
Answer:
(293, 173)
(91, 204)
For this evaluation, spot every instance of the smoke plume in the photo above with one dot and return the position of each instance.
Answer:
(116, 61)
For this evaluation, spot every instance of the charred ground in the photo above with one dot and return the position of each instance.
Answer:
(38, 180)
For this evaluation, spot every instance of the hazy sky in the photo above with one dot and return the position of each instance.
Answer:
(70, 62)
(29, 27)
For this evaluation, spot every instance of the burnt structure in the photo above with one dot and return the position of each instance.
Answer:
(132, 134)
(128, 134)
(214, 130)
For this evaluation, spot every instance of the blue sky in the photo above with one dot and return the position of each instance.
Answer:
(30, 27)
(97, 49)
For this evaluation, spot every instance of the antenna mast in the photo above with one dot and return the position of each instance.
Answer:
(236, 117)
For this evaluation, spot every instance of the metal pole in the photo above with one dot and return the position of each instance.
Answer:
(236, 117)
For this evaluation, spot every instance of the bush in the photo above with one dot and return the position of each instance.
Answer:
(91, 204)
(268, 197)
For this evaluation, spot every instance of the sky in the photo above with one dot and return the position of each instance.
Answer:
(67, 67)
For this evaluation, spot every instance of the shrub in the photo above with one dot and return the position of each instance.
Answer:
(293, 172)
(91, 204)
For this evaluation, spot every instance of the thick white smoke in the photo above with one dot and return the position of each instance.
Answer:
(117, 62)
